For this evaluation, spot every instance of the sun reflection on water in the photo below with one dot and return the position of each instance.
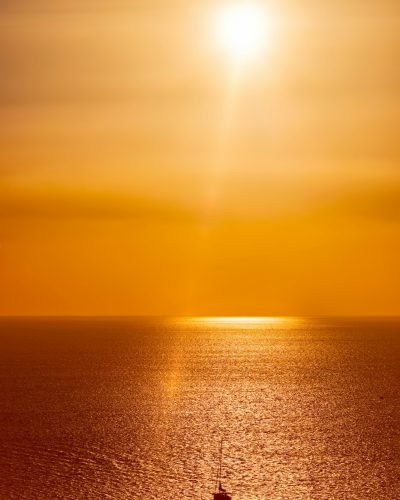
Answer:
(243, 321)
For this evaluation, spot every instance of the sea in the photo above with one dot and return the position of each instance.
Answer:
(136, 408)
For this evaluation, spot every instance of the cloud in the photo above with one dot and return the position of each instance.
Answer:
(82, 6)
(379, 202)
(64, 203)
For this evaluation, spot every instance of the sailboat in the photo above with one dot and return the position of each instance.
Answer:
(220, 492)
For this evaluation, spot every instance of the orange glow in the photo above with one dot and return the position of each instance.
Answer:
(140, 175)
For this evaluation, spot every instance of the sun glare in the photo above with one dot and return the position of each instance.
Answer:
(241, 30)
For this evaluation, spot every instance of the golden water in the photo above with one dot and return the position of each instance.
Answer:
(135, 408)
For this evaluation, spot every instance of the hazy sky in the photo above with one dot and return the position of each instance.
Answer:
(137, 177)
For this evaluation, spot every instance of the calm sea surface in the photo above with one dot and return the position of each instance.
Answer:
(135, 408)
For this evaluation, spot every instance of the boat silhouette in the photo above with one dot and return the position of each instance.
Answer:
(220, 491)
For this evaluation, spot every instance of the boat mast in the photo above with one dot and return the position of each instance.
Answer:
(219, 476)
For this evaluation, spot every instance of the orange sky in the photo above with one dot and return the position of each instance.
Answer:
(137, 178)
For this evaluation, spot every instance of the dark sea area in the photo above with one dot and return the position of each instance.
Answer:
(135, 408)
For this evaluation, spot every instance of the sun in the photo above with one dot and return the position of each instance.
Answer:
(241, 30)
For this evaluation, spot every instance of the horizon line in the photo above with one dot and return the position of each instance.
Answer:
(194, 316)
